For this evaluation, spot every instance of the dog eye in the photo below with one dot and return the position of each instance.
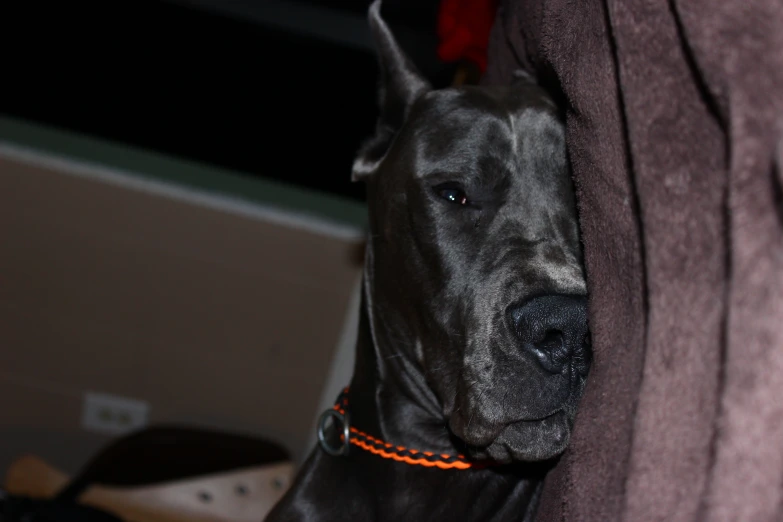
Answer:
(452, 194)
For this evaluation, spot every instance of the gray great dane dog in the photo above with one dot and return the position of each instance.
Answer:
(473, 347)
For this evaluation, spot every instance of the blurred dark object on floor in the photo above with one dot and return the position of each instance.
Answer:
(171, 474)
(16, 508)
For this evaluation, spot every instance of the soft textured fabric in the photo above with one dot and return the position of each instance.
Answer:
(674, 120)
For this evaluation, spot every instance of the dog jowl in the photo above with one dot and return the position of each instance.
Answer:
(473, 338)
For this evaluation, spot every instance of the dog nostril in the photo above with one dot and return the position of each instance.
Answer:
(553, 330)
(552, 341)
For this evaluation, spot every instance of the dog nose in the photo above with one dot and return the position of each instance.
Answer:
(553, 329)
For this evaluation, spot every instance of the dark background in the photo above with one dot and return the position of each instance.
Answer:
(282, 89)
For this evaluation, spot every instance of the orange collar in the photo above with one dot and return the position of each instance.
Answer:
(339, 413)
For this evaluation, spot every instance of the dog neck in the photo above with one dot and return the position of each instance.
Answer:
(389, 400)
(389, 395)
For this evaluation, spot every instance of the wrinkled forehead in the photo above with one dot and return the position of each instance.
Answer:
(468, 128)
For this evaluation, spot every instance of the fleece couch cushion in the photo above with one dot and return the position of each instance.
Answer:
(674, 131)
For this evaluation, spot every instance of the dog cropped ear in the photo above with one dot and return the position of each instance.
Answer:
(400, 85)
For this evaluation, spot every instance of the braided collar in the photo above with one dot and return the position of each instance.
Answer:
(352, 436)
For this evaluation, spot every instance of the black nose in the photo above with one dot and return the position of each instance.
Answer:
(553, 329)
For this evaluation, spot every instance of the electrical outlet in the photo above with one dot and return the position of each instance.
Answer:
(113, 415)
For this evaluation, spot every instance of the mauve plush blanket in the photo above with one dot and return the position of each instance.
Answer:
(674, 113)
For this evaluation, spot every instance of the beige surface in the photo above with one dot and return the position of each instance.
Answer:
(213, 318)
(176, 501)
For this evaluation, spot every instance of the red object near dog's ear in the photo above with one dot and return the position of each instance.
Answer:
(463, 30)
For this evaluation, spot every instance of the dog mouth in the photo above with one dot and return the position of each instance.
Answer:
(531, 441)
(521, 441)
(505, 421)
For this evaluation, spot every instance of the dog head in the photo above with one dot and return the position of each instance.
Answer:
(474, 259)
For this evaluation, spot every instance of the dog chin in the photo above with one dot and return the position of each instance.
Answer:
(530, 441)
